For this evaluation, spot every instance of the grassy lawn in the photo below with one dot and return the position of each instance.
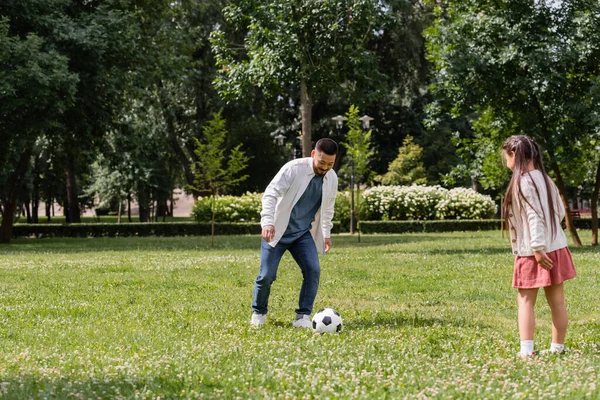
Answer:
(426, 316)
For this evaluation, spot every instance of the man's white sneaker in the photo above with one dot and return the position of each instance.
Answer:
(302, 321)
(258, 320)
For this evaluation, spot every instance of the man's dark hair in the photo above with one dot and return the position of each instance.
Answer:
(327, 146)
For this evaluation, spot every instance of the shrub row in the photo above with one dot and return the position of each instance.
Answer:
(133, 229)
(245, 208)
(385, 203)
(445, 225)
(138, 229)
(388, 203)
(429, 226)
(250, 228)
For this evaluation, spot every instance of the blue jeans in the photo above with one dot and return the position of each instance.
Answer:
(304, 252)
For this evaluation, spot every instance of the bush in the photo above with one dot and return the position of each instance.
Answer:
(139, 229)
(425, 203)
(462, 203)
(428, 226)
(343, 207)
(245, 208)
(133, 229)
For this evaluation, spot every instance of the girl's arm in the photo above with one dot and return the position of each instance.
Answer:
(536, 223)
(535, 216)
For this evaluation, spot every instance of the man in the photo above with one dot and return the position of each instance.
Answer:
(297, 209)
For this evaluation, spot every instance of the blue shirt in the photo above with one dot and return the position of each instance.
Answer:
(304, 211)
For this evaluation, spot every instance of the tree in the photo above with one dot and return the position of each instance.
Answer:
(311, 47)
(358, 150)
(532, 66)
(36, 87)
(407, 168)
(216, 171)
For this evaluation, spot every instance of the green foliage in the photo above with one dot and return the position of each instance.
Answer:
(425, 203)
(245, 208)
(407, 168)
(286, 42)
(367, 227)
(214, 170)
(343, 207)
(134, 229)
(524, 67)
(358, 145)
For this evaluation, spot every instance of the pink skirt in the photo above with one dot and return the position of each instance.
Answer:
(529, 275)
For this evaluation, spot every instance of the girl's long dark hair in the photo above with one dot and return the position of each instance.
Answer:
(525, 150)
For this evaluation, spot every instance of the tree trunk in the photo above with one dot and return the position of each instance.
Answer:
(162, 208)
(306, 110)
(10, 203)
(27, 211)
(49, 210)
(74, 215)
(35, 208)
(120, 211)
(171, 205)
(476, 185)
(65, 207)
(563, 195)
(143, 198)
(129, 207)
(35, 194)
(594, 207)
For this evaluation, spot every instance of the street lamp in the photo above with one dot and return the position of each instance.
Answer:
(280, 138)
(366, 120)
(339, 122)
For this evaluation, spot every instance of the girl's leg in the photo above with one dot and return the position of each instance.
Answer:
(555, 295)
(526, 300)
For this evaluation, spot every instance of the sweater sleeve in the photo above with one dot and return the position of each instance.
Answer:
(535, 217)
(328, 209)
(276, 189)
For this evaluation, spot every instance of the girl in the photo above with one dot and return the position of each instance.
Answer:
(533, 212)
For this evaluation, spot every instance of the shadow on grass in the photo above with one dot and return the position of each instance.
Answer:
(195, 243)
(401, 320)
(124, 386)
(454, 243)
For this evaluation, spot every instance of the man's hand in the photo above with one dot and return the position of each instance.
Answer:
(327, 244)
(543, 260)
(268, 232)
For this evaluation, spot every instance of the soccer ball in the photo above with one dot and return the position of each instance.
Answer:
(327, 320)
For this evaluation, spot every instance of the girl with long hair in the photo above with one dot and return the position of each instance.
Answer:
(533, 213)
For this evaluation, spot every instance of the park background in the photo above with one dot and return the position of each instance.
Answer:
(120, 112)
(114, 103)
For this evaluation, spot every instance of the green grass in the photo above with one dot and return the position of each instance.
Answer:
(426, 316)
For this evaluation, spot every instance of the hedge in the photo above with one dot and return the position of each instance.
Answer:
(138, 229)
(445, 225)
(249, 228)
(428, 226)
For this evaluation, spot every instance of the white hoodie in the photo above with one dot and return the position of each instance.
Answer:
(285, 190)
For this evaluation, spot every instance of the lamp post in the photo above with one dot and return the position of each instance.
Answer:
(281, 142)
(366, 120)
(339, 123)
(280, 138)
